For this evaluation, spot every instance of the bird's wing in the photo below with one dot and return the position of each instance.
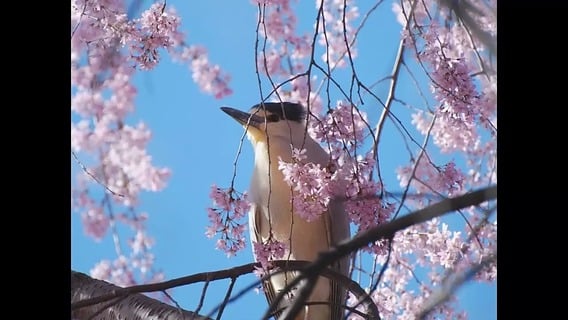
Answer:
(337, 226)
(338, 223)
(254, 223)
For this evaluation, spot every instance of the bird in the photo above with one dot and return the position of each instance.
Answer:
(274, 128)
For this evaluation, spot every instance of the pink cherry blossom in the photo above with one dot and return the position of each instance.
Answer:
(311, 185)
(109, 48)
(428, 178)
(230, 207)
(344, 124)
(95, 222)
(268, 251)
(338, 20)
(209, 77)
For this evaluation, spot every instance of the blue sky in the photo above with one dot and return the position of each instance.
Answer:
(198, 143)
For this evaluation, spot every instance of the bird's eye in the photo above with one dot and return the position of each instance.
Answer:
(272, 118)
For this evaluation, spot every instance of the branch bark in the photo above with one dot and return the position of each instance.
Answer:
(132, 306)
(106, 292)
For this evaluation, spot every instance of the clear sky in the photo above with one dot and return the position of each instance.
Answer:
(198, 143)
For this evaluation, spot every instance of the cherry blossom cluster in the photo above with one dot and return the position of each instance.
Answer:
(365, 207)
(482, 245)
(311, 190)
(428, 247)
(338, 16)
(406, 304)
(278, 27)
(268, 251)
(158, 29)
(344, 129)
(287, 53)
(426, 178)
(103, 30)
(122, 272)
(343, 126)
(348, 177)
(136, 266)
(103, 27)
(209, 77)
(107, 50)
(463, 88)
(229, 208)
(452, 56)
(433, 247)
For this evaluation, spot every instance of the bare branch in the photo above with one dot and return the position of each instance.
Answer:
(203, 293)
(227, 296)
(450, 284)
(390, 97)
(93, 176)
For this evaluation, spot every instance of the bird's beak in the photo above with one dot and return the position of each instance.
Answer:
(244, 118)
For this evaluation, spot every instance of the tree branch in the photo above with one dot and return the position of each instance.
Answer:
(461, 9)
(131, 306)
(114, 292)
(384, 231)
(449, 286)
(82, 298)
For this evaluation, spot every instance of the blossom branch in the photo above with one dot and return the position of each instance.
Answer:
(384, 231)
(451, 283)
(87, 172)
(459, 7)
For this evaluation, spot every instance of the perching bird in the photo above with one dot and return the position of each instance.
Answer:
(272, 128)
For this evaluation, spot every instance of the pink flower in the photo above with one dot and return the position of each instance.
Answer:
(229, 208)
(95, 222)
(268, 251)
(447, 179)
(209, 77)
(158, 30)
(312, 189)
(102, 270)
(141, 242)
(338, 19)
(345, 124)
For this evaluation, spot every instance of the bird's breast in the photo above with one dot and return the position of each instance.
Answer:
(271, 196)
(270, 193)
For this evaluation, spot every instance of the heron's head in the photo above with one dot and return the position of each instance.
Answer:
(272, 119)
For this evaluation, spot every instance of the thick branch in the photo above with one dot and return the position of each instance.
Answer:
(116, 293)
(161, 286)
(131, 307)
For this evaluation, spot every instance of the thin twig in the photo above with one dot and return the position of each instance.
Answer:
(452, 284)
(93, 176)
(227, 296)
(202, 298)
